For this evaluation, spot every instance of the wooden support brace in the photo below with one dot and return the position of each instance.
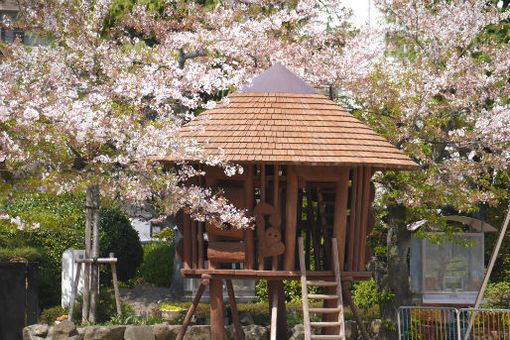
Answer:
(233, 308)
(217, 312)
(115, 284)
(203, 283)
(355, 312)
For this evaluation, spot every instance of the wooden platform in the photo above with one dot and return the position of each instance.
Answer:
(246, 274)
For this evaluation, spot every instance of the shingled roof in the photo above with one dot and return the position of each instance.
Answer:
(281, 119)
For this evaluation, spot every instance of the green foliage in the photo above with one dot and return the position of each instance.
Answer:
(498, 295)
(135, 320)
(158, 263)
(365, 295)
(62, 225)
(49, 315)
(291, 288)
(118, 236)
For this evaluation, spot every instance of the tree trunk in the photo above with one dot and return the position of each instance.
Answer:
(393, 276)
(91, 232)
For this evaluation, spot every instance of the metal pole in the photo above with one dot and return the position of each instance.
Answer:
(494, 255)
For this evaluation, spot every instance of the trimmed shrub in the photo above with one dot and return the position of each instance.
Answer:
(119, 236)
(498, 295)
(158, 263)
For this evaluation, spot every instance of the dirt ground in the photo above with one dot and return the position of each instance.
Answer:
(144, 298)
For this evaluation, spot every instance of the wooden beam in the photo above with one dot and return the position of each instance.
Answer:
(233, 308)
(290, 219)
(245, 274)
(358, 226)
(201, 245)
(186, 235)
(217, 312)
(249, 200)
(203, 283)
(194, 244)
(276, 203)
(367, 174)
(355, 312)
(340, 217)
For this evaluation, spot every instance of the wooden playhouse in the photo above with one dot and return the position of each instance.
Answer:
(307, 179)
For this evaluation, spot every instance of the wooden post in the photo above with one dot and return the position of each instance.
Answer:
(352, 220)
(276, 203)
(194, 240)
(291, 219)
(186, 235)
(201, 245)
(233, 308)
(367, 174)
(94, 279)
(340, 217)
(217, 316)
(250, 240)
(115, 285)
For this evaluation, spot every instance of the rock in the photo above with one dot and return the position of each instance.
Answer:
(164, 331)
(104, 333)
(138, 333)
(35, 332)
(198, 332)
(298, 333)
(246, 319)
(255, 332)
(351, 330)
(375, 328)
(65, 330)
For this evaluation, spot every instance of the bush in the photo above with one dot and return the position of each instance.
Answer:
(158, 263)
(498, 295)
(365, 295)
(119, 236)
(291, 288)
(49, 315)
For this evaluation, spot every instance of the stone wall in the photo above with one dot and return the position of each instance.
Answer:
(66, 330)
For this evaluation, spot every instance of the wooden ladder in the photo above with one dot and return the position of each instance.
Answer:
(339, 309)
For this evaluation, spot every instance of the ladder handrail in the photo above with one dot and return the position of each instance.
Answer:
(336, 268)
(304, 289)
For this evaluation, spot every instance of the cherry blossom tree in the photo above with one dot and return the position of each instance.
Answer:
(99, 105)
(437, 87)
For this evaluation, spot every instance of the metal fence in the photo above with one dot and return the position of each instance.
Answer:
(447, 323)
(485, 324)
(428, 323)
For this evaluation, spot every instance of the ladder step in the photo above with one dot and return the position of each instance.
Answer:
(322, 283)
(322, 297)
(325, 324)
(325, 337)
(324, 310)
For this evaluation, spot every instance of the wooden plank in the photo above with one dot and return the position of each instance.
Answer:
(319, 173)
(359, 213)
(340, 302)
(186, 235)
(304, 290)
(367, 174)
(226, 252)
(340, 218)
(274, 314)
(201, 245)
(352, 221)
(245, 274)
(194, 244)
(276, 203)
(249, 234)
(233, 308)
(291, 219)
(217, 312)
